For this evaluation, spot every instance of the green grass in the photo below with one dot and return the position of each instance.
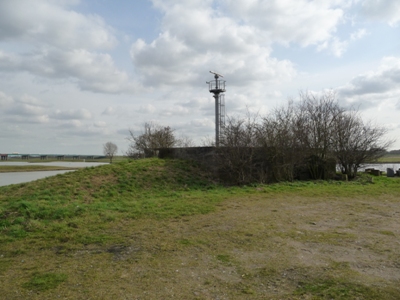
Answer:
(120, 230)
(46, 281)
(390, 158)
(332, 289)
(224, 258)
(63, 206)
(98, 195)
(341, 288)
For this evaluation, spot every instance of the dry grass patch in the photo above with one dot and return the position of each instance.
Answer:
(254, 248)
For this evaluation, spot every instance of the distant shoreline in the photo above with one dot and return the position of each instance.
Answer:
(34, 168)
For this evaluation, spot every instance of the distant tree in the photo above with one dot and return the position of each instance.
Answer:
(394, 152)
(153, 137)
(208, 141)
(109, 150)
(184, 142)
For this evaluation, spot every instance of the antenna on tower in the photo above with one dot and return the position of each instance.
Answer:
(217, 87)
(216, 74)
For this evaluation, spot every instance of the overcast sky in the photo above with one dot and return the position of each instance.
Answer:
(75, 74)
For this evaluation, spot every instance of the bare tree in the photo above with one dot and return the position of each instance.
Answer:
(313, 128)
(302, 140)
(184, 142)
(238, 149)
(153, 137)
(277, 137)
(109, 150)
(357, 143)
(208, 141)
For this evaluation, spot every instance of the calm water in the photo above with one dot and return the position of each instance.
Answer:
(20, 177)
(71, 164)
(382, 167)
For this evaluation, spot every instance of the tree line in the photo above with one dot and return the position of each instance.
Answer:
(309, 137)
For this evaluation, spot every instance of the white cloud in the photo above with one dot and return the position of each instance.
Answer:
(29, 99)
(147, 109)
(359, 34)
(24, 109)
(292, 21)
(109, 111)
(195, 38)
(51, 40)
(5, 100)
(78, 114)
(100, 124)
(25, 116)
(52, 23)
(91, 71)
(71, 124)
(9, 61)
(387, 78)
(28, 109)
(202, 123)
(375, 87)
(335, 46)
(382, 10)
(176, 110)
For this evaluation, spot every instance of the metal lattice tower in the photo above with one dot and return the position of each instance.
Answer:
(217, 87)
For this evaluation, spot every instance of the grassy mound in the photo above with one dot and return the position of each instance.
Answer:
(77, 206)
(91, 196)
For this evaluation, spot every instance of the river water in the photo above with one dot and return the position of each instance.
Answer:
(71, 164)
(20, 177)
(381, 167)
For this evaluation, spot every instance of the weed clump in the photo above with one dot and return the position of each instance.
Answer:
(45, 281)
